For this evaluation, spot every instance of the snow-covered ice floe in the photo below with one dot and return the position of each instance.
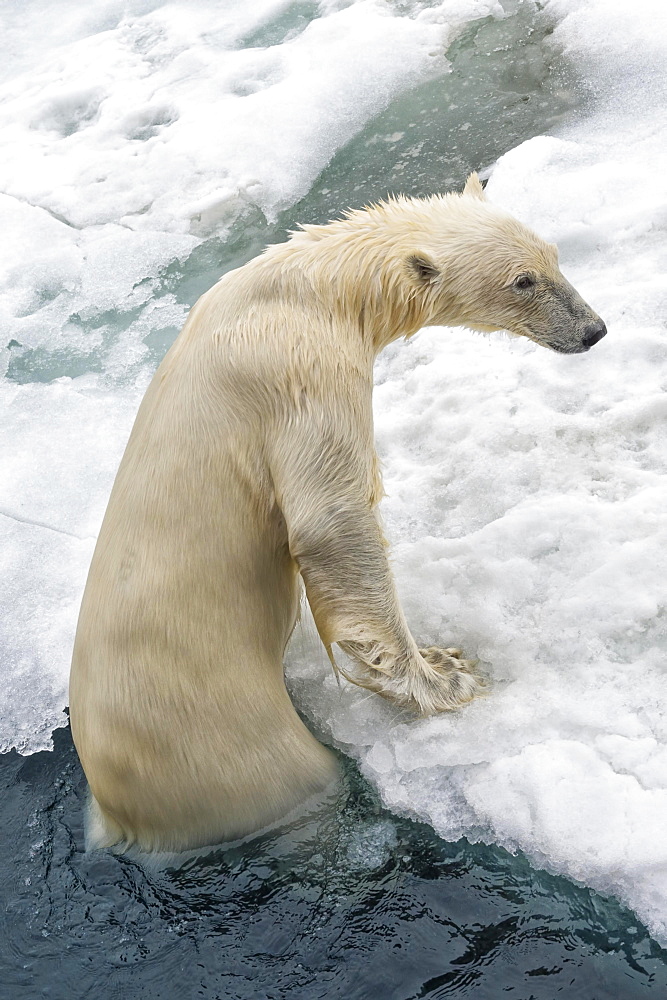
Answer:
(526, 492)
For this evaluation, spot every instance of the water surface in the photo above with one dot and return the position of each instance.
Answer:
(347, 901)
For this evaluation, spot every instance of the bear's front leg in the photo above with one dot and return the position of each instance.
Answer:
(324, 486)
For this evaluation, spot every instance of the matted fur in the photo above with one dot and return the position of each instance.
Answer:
(251, 465)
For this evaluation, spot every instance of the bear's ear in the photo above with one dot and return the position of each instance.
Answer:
(474, 188)
(423, 268)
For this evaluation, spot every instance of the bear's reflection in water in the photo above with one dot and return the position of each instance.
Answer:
(346, 901)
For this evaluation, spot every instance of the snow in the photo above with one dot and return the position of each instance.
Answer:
(525, 490)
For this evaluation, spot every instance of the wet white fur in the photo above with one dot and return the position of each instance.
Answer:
(251, 466)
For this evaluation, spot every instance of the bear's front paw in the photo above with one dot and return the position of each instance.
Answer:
(440, 680)
(445, 681)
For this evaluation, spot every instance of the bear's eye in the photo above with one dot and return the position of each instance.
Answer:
(524, 281)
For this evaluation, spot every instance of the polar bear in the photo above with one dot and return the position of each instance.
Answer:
(251, 467)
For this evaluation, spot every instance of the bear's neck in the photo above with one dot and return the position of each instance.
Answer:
(357, 269)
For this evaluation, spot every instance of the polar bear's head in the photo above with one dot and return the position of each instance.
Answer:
(485, 270)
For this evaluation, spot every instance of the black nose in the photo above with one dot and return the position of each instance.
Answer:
(593, 333)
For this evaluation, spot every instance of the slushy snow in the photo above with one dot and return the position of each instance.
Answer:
(525, 490)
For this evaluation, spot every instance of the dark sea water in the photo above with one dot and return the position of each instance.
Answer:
(348, 902)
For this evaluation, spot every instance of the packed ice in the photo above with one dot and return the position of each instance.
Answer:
(525, 490)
